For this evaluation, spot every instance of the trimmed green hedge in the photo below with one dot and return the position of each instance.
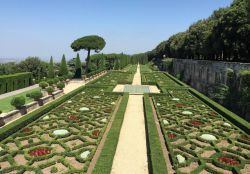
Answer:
(13, 82)
(105, 161)
(25, 120)
(157, 160)
(95, 72)
(235, 119)
(176, 80)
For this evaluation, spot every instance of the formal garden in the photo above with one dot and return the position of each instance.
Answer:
(65, 136)
(62, 140)
(198, 138)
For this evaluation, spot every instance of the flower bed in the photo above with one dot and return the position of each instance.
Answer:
(171, 135)
(65, 131)
(27, 130)
(39, 152)
(202, 132)
(196, 123)
(228, 160)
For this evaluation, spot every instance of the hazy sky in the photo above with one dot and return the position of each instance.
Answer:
(46, 28)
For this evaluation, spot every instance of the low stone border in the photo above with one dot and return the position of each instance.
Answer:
(31, 106)
(57, 94)
(44, 100)
(9, 116)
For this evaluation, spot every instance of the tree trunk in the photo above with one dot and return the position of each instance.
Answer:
(87, 61)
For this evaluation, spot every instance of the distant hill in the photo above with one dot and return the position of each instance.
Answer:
(6, 60)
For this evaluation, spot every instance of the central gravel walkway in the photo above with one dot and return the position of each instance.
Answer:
(131, 152)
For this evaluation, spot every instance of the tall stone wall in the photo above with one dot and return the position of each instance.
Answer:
(201, 74)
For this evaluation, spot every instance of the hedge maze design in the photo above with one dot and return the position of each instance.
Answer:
(115, 77)
(199, 139)
(63, 140)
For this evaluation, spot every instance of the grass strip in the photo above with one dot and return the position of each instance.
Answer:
(157, 161)
(105, 161)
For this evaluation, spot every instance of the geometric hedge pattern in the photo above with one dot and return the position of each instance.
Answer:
(200, 140)
(63, 140)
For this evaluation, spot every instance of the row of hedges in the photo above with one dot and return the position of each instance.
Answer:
(13, 82)
(25, 120)
(105, 161)
(157, 161)
(95, 72)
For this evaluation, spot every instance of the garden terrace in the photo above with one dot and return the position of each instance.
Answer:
(145, 69)
(198, 138)
(65, 138)
(130, 68)
(159, 78)
(113, 78)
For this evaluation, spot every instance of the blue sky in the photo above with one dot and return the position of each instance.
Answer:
(46, 28)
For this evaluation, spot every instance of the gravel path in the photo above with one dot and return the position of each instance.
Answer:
(131, 152)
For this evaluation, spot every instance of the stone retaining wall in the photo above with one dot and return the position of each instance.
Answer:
(203, 73)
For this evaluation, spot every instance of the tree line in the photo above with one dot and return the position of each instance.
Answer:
(224, 36)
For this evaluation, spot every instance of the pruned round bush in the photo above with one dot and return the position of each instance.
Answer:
(18, 102)
(28, 95)
(1, 111)
(43, 84)
(50, 82)
(56, 80)
(50, 89)
(60, 85)
(61, 78)
(36, 95)
(70, 75)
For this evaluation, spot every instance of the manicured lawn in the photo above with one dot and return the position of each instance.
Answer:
(5, 105)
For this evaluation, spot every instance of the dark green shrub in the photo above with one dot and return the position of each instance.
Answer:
(60, 85)
(50, 89)
(50, 82)
(18, 102)
(43, 84)
(193, 147)
(36, 95)
(30, 141)
(61, 78)
(28, 95)
(69, 76)
(56, 80)
(15, 81)
(1, 111)
(53, 169)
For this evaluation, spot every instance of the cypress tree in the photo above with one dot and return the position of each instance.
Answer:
(116, 65)
(63, 67)
(78, 66)
(51, 73)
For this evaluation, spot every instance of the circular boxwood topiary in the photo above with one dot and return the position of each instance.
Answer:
(50, 82)
(50, 89)
(18, 102)
(36, 95)
(43, 84)
(60, 85)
